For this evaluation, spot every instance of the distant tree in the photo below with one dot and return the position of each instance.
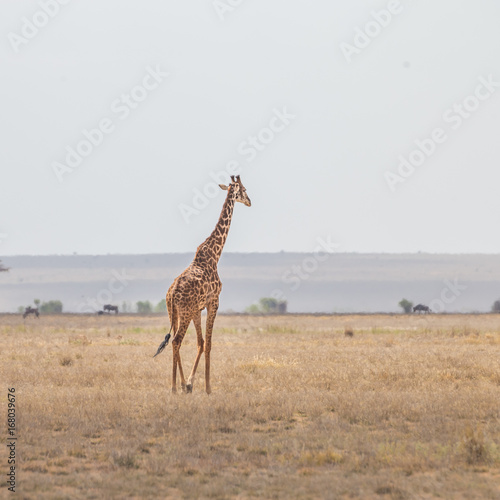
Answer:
(282, 307)
(496, 306)
(161, 306)
(37, 302)
(51, 307)
(3, 268)
(21, 309)
(268, 305)
(126, 306)
(406, 305)
(144, 307)
(253, 309)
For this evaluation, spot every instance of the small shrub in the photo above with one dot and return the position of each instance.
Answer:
(80, 340)
(406, 305)
(129, 342)
(395, 493)
(52, 307)
(77, 452)
(268, 305)
(126, 460)
(321, 458)
(66, 361)
(161, 306)
(475, 449)
(144, 307)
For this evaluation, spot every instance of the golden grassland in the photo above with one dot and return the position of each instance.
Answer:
(406, 407)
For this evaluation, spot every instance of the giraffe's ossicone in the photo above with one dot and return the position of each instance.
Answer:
(198, 287)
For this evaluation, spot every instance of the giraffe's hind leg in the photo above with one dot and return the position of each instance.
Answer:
(176, 345)
(199, 335)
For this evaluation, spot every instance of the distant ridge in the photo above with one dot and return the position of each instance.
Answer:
(336, 282)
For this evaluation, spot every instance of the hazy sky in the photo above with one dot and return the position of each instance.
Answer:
(314, 112)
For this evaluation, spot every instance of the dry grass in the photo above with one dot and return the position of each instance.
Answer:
(407, 407)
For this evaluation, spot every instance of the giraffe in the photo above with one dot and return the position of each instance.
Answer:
(198, 287)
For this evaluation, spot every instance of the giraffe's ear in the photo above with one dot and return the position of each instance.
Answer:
(223, 187)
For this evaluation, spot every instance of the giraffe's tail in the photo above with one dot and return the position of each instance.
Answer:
(163, 344)
(173, 321)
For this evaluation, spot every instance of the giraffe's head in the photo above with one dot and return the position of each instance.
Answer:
(239, 190)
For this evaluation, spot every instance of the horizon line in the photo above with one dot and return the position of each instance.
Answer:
(2, 256)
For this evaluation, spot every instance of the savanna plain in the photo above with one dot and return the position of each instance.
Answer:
(375, 406)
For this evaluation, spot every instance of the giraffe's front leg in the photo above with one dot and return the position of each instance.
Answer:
(199, 335)
(174, 369)
(208, 348)
(211, 313)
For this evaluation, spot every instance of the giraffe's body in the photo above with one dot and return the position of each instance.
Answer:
(198, 287)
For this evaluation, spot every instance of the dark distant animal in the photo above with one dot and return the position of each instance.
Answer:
(100, 312)
(31, 310)
(420, 308)
(109, 308)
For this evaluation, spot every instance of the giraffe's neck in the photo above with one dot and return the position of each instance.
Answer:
(211, 249)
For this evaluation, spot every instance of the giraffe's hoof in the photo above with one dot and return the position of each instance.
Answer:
(189, 388)
(183, 388)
